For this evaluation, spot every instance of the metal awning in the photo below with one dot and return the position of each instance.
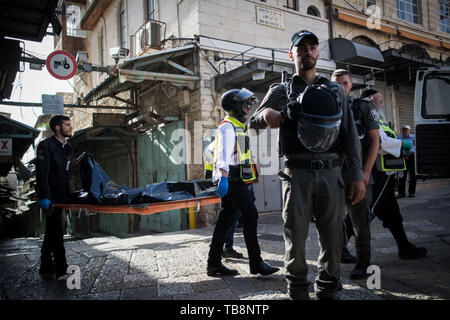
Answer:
(255, 75)
(344, 50)
(401, 67)
(110, 87)
(21, 135)
(101, 134)
(26, 20)
(393, 57)
(150, 67)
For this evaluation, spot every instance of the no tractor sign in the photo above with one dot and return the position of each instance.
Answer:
(61, 65)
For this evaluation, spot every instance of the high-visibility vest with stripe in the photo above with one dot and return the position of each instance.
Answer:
(209, 157)
(247, 170)
(388, 161)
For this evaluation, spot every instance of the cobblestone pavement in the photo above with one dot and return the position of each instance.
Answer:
(172, 265)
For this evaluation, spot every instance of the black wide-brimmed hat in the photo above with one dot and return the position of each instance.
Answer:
(368, 93)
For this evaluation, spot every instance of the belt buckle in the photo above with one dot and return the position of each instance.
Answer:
(317, 165)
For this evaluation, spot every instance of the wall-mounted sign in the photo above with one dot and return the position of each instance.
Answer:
(52, 104)
(5, 147)
(61, 64)
(270, 17)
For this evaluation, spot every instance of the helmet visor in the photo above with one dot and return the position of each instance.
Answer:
(248, 97)
(318, 133)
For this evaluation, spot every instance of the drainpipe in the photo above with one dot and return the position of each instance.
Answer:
(187, 145)
(178, 17)
(187, 153)
(331, 27)
(330, 17)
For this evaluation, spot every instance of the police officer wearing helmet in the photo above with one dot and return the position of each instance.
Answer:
(357, 221)
(234, 171)
(317, 132)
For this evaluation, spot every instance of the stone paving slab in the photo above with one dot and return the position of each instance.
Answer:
(173, 265)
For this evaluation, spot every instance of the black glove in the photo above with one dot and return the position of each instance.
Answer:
(293, 110)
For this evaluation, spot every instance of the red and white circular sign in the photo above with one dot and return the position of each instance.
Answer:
(61, 65)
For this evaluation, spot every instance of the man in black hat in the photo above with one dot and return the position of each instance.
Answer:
(317, 132)
(384, 203)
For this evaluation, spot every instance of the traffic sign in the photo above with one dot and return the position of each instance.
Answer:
(61, 64)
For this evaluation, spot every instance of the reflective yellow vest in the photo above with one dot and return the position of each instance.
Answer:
(209, 158)
(248, 171)
(388, 161)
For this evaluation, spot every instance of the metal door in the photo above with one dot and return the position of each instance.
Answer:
(159, 152)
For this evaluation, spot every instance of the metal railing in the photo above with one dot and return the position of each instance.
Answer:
(149, 35)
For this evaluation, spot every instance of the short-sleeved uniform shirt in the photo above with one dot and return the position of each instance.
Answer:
(365, 120)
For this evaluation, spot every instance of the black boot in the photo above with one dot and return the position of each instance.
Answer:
(263, 269)
(347, 257)
(220, 270)
(47, 268)
(399, 234)
(231, 253)
(359, 271)
(411, 252)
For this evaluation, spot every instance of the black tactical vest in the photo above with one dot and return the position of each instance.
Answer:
(362, 131)
(289, 142)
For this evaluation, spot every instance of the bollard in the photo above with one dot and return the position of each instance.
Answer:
(191, 218)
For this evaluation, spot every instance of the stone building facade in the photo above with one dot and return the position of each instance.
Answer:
(413, 29)
(224, 35)
(184, 54)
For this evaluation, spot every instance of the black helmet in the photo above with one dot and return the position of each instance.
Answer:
(235, 99)
(319, 118)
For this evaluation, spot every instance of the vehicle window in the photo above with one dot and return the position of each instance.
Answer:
(436, 96)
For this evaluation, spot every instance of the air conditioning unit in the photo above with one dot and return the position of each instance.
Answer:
(155, 40)
(144, 38)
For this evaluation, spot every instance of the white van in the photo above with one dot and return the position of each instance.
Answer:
(432, 121)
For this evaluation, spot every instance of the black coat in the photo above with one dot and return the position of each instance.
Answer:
(52, 170)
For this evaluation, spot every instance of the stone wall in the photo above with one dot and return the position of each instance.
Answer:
(429, 25)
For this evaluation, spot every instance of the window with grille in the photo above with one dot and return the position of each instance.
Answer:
(408, 10)
(444, 8)
(290, 4)
(102, 47)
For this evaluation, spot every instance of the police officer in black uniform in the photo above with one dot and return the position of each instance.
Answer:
(53, 186)
(317, 132)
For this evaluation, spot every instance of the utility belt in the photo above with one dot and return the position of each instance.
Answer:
(234, 175)
(313, 162)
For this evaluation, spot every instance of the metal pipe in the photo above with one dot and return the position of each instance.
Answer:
(148, 75)
(330, 13)
(39, 104)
